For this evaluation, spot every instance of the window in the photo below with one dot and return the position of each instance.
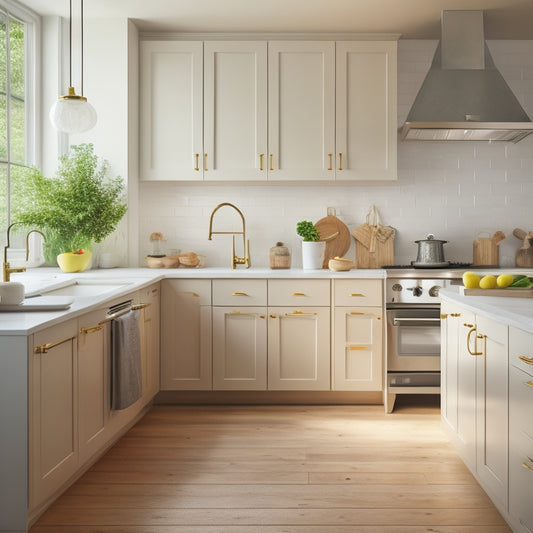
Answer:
(17, 104)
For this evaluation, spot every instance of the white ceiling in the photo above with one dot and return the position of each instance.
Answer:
(413, 19)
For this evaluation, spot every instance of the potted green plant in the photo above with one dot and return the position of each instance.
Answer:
(74, 209)
(312, 247)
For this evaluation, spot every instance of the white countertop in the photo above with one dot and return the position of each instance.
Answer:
(516, 312)
(40, 279)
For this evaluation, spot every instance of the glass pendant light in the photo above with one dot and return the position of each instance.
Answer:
(71, 113)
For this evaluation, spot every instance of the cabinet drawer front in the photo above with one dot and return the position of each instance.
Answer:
(298, 292)
(239, 292)
(358, 292)
(521, 349)
(521, 400)
(521, 479)
(195, 288)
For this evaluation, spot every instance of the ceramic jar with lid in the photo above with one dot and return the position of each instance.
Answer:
(280, 256)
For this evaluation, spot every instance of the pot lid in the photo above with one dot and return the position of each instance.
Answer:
(430, 238)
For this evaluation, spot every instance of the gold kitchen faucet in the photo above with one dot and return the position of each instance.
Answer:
(235, 260)
(7, 270)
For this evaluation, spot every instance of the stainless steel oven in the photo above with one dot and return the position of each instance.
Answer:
(413, 339)
(413, 331)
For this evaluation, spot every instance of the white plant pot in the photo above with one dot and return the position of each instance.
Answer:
(313, 254)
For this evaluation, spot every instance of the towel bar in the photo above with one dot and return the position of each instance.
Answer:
(111, 317)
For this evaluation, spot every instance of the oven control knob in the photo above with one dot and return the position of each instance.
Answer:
(397, 287)
(417, 291)
(434, 291)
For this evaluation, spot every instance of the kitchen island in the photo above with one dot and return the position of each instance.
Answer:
(487, 395)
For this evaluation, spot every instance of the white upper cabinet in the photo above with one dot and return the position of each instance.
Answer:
(301, 110)
(235, 110)
(171, 146)
(268, 110)
(366, 120)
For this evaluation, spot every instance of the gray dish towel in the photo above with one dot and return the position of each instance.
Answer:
(126, 371)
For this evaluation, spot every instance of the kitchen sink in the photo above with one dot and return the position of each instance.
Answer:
(80, 288)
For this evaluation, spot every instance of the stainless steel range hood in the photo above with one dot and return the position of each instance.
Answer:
(464, 97)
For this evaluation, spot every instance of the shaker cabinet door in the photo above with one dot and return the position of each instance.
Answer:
(235, 110)
(366, 117)
(171, 100)
(301, 110)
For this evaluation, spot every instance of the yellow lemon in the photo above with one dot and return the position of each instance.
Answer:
(487, 282)
(504, 280)
(470, 280)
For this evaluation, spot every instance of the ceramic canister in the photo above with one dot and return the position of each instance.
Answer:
(11, 293)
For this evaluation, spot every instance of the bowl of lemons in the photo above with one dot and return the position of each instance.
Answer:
(471, 280)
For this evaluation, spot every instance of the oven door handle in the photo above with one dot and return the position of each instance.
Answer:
(397, 320)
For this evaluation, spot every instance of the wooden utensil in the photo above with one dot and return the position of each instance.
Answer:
(337, 237)
(524, 255)
(486, 251)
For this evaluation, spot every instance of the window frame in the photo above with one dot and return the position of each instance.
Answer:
(32, 66)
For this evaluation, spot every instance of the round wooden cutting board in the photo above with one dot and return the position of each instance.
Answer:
(338, 245)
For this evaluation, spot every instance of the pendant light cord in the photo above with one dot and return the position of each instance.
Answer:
(81, 47)
(70, 47)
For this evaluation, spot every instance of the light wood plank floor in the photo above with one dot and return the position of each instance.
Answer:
(319, 469)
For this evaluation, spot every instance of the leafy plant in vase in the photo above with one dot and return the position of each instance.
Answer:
(74, 209)
(312, 247)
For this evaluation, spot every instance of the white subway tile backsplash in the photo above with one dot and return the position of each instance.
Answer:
(454, 190)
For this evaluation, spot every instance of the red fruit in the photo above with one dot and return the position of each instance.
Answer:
(80, 251)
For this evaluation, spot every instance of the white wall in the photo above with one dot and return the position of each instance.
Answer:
(454, 190)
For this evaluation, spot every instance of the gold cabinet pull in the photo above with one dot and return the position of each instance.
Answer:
(238, 293)
(196, 162)
(340, 160)
(299, 313)
(357, 295)
(352, 347)
(273, 316)
(528, 383)
(330, 162)
(261, 159)
(455, 315)
(356, 313)
(205, 162)
(271, 161)
(444, 316)
(298, 294)
(87, 331)
(528, 464)
(43, 348)
(468, 325)
(527, 360)
(240, 313)
(468, 343)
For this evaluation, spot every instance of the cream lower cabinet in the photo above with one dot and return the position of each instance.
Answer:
(521, 429)
(186, 333)
(492, 417)
(358, 335)
(53, 406)
(150, 340)
(239, 334)
(458, 379)
(298, 348)
(357, 357)
(239, 348)
(299, 334)
(93, 383)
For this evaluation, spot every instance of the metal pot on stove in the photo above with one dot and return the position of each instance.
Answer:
(430, 252)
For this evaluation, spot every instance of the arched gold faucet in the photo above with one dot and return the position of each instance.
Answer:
(7, 270)
(246, 244)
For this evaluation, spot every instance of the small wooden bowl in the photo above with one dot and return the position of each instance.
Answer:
(340, 264)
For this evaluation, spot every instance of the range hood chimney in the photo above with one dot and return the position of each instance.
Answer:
(464, 97)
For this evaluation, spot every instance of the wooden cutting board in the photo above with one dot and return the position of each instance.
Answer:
(513, 293)
(338, 245)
